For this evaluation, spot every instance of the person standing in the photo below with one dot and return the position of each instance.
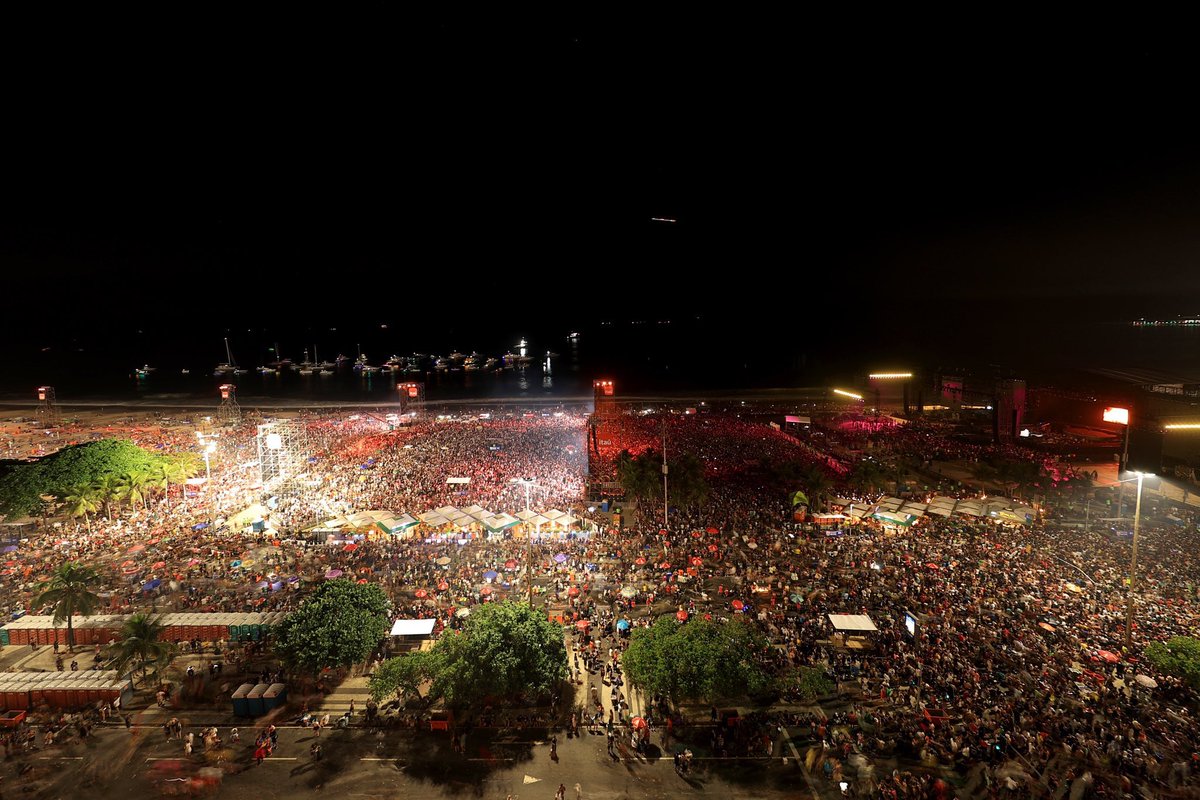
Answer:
(561, 794)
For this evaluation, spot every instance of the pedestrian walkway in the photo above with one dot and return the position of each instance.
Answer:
(337, 703)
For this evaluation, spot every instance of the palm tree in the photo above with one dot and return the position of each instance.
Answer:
(139, 643)
(866, 476)
(109, 489)
(134, 486)
(69, 591)
(817, 483)
(175, 469)
(82, 500)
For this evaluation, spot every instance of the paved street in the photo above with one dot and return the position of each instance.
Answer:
(117, 763)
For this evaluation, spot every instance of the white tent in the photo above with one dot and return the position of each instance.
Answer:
(412, 627)
(852, 622)
(525, 515)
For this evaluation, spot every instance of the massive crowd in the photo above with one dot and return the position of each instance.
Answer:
(1018, 673)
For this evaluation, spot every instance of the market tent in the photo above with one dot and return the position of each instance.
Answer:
(335, 523)
(412, 627)
(890, 503)
(852, 622)
(566, 520)
(895, 517)
(552, 514)
(500, 522)
(526, 515)
(475, 511)
(433, 518)
(446, 511)
(858, 512)
(969, 508)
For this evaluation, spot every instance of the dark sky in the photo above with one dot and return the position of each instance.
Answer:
(813, 167)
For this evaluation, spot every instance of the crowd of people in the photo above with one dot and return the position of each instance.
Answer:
(1018, 672)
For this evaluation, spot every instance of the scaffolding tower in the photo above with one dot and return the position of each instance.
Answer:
(283, 451)
(229, 412)
(412, 398)
(47, 406)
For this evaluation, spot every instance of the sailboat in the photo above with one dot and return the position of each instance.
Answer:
(230, 366)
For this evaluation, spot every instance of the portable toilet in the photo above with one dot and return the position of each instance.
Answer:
(4, 636)
(274, 697)
(254, 700)
(241, 706)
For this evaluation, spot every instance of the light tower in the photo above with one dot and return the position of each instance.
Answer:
(412, 398)
(47, 407)
(229, 412)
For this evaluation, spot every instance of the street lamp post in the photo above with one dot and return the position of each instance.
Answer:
(1137, 519)
(527, 482)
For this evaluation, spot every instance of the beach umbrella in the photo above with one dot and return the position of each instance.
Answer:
(738, 605)
(696, 534)
(1147, 681)
(933, 566)
(638, 723)
(10, 563)
(712, 548)
(583, 624)
(193, 562)
(350, 548)
(708, 617)
(796, 598)
(486, 590)
(560, 558)
(573, 591)
(665, 565)
(1046, 626)
(639, 561)
(622, 624)
(123, 563)
(753, 545)
(12, 548)
(697, 561)
(443, 561)
(159, 565)
(681, 615)
(420, 593)
(590, 567)
(137, 548)
(362, 580)
(1109, 656)
(249, 562)
(510, 564)
(463, 612)
(628, 591)
(333, 573)
(490, 574)
(199, 526)
(237, 562)
(151, 585)
(443, 586)
(713, 531)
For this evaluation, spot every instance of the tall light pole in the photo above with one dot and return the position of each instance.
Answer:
(527, 482)
(1137, 519)
(666, 519)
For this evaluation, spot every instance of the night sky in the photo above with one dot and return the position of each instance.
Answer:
(835, 190)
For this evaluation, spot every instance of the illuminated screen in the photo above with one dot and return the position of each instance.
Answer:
(1118, 415)
(910, 624)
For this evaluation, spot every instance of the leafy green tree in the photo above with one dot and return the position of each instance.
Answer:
(504, 650)
(340, 624)
(402, 676)
(140, 644)
(69, 590)
(1178, 656)
(806, 683)
(23, 486)
(697, 660)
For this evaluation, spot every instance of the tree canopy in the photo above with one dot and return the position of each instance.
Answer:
(641, 477)
(1178, 656)
(340, 624)
(62, 474)
(697, 660)
(140, 644)
(504, 650)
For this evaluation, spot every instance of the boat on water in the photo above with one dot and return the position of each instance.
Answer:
(441, 364)
(268, 371)
(185, 371)
(229, 367)
(492, 364)
(143, 371)
(325, 373)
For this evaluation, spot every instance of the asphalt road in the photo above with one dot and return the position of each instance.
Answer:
(357, 763)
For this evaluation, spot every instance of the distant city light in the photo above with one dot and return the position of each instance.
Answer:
(851, 395)
(1117, 415)
(887, 376)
